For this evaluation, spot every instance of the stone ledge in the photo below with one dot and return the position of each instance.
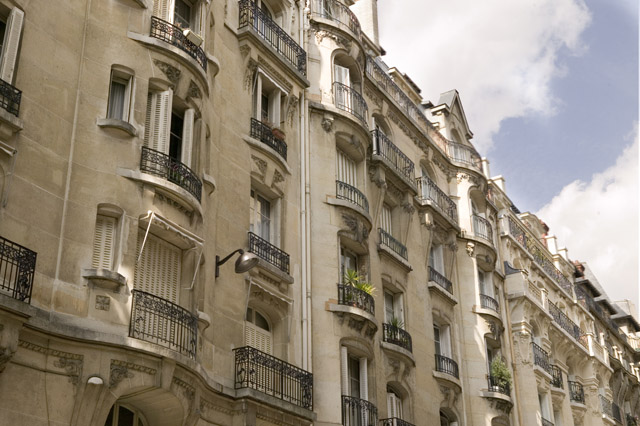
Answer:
(348, 204)
(276, 403)
(352, 310)
(448, 378)
(114, 123)
(444, 293)
(393, 255)
(399, 350)
(271, 271)
(105, 278)
(266, 149)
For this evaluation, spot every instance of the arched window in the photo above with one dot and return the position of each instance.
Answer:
(123, 416)
(257, 331)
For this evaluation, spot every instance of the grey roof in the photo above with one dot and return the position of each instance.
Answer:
(447, 98)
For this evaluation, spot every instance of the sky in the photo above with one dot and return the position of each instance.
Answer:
(550, 90)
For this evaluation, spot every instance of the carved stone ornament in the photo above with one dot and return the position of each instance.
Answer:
(340, 41)
(249, 74)
(522, 346)
(172, 73)
(103, 303)
(371, 95)
(470, 248)
(259, 166)
(327, 123)
(117, 374)
(291, 107)
(194, 91)
(73, 367)
(5, 355)
(244, 50)
(188, 391)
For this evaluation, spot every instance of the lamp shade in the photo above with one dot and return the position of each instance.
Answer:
(245, 262)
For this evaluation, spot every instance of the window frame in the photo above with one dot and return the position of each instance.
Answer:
(127, 80)
(274, 215)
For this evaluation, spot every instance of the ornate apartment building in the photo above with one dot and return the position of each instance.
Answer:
(382, 275)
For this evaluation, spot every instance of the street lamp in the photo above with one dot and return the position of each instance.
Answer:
(244, 262)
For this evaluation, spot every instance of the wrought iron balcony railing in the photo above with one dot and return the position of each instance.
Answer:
(576, 392)
(400, 163)
(607, 406)
(447, 365)
(162, 165)
(351, 296)
(396, 246)
(156, 320)
(546, 422)
(499, 386)
(264, 134)
(173, 35)
(251, 16)
(347, 99)
(617, 413)
(358, 412)
(429, 191)
(565, 322)
(482, 228)
(394, 421)
(464, 154)
(344, 191)
(541, 357)
(488, 302)
(267, 251)
(10, 98)
(556, 377)
(17, 267)
(540, 254)
(337, 12)
(272, 376)
(396, 336)
(440, 279)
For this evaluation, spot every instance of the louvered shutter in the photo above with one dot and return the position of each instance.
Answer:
(187, 137)
(364, 384)
(346, 169)
(11, 44)
(158, 121)
(258, 338)
(163, 9)
(344, 370)
(103, 242)
(394, 406)
(385, 222)
(158, 271)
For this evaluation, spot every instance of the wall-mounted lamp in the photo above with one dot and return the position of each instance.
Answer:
(245, 261)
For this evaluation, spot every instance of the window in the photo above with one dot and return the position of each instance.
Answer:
(394, 404)
(260, 216)
(184, 14)
(485, 283)
(354, 375)
(348, 261)
(267, 100)
(346, 169)
(257, 331)
(393, 308)
(119, 104)
(122, 416)
(436, 258)
(106, 238)
(159, 268)
(385, 219)
(10, 33)
(442, 340)
(341, 76)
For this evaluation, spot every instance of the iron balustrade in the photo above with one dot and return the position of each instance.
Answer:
(447, 365)
(617, 414)
(358, 412)
(272, 376)
(10, 98)
(264, 134)
(159, 321)
(17, 268)
(162, 165)
(251, 16)
(556, 377)
(541, 358)
(488, 302)
(394, 421)
(464, 154)
(347, 99)
(383, 147)
(267, 251)
(499, 386)
(396, 246)
(482, 228)
(607, 406)
(396, 336)
(540, 255)
(576, 392)
(174, 35)
(344, 191)
(337, 12)
(440, 279)
(352, 296)
(546, 422)
(429, 191)
(564, 321)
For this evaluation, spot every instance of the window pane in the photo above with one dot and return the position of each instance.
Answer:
(125, 417)
(436, 338)
(354, 377)
(175, 139)
(116, 100)
(109, 421)
(262, 322)
(182, 14)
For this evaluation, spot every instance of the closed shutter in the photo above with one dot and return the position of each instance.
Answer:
(346, 169)
(163, 9)
(103, 242)
(158, 120)
(388, 307)
(385, 222)
(187, 137)
(258, 338)
(158, 271)
(436, 260)
(342, 94)
(11, 44)
(344, 370)
(364, 384)
(394, 405)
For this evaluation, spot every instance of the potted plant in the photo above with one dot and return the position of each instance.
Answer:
(353, 279)
(278, 133)
(500, 373)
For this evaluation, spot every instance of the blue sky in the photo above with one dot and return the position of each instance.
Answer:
(550, 89)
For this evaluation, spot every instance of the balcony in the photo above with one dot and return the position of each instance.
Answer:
(430, 194)
(352, 194)
(394, 421)
(440, 279)
(495, 385)
(393, 158)
(567, 324)
(173, 35)
(159, 321)
(482, 228)
(488, 302)
(546, 422)
(351, 296)
(556, 377)
(394, 245)
(335, 11)
(347, 99)
(10, 98)
(358, 412)
(264, 134)
(17, 267)
(576, 392)
(607, 406)
(464, 154)
(162, 165)
(541, 358)
(447, 366)
(396, 336)
(272, 376)
(267, 251)
(251, 16)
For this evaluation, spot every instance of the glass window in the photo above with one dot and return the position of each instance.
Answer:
(119, 96)
(354, 377)
(122, 416)
(385, 222)
(348, 261)
(436, 339)
(260, 211)
(182, 14)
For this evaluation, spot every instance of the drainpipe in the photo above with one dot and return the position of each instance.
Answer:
(507, 317)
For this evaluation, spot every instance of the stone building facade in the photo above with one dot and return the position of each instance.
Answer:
(147, 144)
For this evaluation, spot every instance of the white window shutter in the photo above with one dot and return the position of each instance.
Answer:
(342, 75)
(158, 121)
(386, 219)
(11, 43)
(201, 19)
(399, 307)
(158, 271)
(258, 338)
(364, 385)
(187, 136)
(344, 370)
(103, 242)
(163, 9)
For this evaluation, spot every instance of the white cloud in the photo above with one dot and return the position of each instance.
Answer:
(598, 222)
(501, 55)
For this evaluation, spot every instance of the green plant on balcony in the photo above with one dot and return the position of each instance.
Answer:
(352, 278)
(396, 322)
(500, 372)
